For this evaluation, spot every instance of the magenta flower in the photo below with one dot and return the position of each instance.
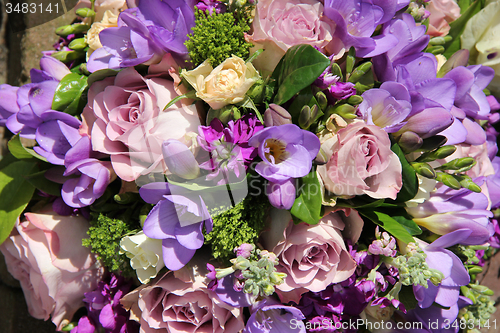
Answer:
(286, 152)
(230, 152)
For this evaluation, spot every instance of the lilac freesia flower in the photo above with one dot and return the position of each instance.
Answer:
(448, 210)
(177, 219)
(61, 143)
(229, 148)
(455, 274)
(269, 316)
(386, 108)
(104, 309)
(21, 108)
(144, 34)
(412, 40)
(286, 152)
(356, 22)
(434, 319)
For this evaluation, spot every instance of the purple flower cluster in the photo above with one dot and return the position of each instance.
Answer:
(144, 34)
(105, 313)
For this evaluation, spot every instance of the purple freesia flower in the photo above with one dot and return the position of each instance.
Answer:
(229, 148)
(212, 6)
(286, 152)
(105, 313)
(448, 210)
(356, 22)
(177, 219)
(412, 40)
(455, 274)
(144, 34)
(21, 108)
(269, 316)
(386, 108)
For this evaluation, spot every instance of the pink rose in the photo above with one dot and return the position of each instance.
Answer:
(281, 24)
(442, 12)
(124, 117)
(45, 254)
(361, 162)
(315, 256)
(182, 304)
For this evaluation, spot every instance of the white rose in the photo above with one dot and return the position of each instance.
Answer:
(143, 253)
(226, 84)
(481, 37)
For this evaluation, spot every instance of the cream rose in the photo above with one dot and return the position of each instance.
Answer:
(481, 37)
(226, 84)
(143, 253)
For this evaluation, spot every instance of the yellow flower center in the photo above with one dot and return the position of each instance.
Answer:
(275, 151)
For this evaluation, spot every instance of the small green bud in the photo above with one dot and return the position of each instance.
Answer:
(438, 49)
(459, 164)
(424, 169)
(346, 111)
(322, 100)
(440, 40)
(481, 289)
(85, 12)
(475, 269)
(468, 293)
(84, 70)
(336, 70)
(78, 44)
(76, 28)
(441, 152)
(468, 183)
(448, 180)
(355, 100)
(360, 71)
(305, 117)
(66, 56)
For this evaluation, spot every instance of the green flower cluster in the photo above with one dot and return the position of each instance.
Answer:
(259, 275)
(241, 224)
(483, 307)
(105, 234)
(217, 37)
(414, 270)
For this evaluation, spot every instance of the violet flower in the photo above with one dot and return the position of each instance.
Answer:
(448, 210)
(144, 34)
(269, 316)
(447, 292)
(177, 219)
(356, 22)
(105, 313)
(286, 152)
(212, 6)
(386, 107)
(21, 108)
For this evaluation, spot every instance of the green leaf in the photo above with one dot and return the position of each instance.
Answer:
(39, 181)
(101, 75)
(389, 224)
(307, 207)
(190, 94)
(408, 224)
(407, 297)
(70, 96)
(15, 192)
(20, 152)
(247, 103)
(300, 66)
(410, 180)
(457, 27)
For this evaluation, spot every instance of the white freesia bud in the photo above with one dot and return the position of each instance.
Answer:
(143, 254)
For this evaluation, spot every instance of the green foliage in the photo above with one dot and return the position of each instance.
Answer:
(242, 224)
(217, 37)
(105, 235)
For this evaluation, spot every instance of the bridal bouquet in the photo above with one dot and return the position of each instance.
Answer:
(257, 166)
